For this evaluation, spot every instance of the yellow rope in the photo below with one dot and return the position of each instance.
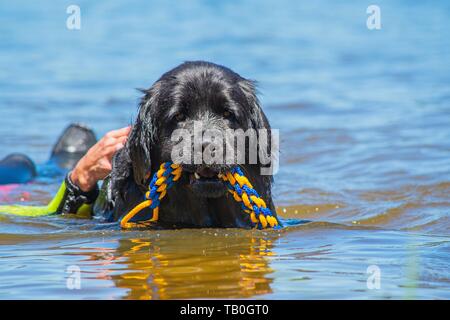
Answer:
(238, 185)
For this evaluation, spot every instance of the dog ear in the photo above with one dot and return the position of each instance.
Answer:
(121, 171)
(114, 187)
(142, 136)
(257, 118)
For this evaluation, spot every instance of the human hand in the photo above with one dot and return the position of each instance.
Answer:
(96, 164)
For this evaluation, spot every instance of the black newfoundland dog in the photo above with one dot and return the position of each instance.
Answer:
(194, 92)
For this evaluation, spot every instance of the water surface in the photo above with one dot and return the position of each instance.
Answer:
(365, 129)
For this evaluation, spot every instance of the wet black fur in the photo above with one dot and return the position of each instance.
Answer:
(193, 88)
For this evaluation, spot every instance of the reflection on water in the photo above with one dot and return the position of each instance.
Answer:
(365, 146)
(164, 269)
(149, 265)
(312, 260)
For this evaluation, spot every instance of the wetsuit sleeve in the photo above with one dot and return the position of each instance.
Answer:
(68, 199)
(71, 199)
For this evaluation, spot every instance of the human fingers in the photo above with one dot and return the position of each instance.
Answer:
(119, 132)
(109, 151)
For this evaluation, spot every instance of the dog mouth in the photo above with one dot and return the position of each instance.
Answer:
(206, 182)
(205, 173)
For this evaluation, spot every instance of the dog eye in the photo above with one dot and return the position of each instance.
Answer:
(179, 117)
(227, 114)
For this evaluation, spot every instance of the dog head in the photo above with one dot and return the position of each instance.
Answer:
(189, 113)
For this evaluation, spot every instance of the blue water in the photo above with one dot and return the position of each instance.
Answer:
(365, 135)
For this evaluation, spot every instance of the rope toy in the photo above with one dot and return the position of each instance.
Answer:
(236, 182)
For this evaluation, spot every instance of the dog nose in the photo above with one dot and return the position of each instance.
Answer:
(206, 142)
(210, 150)
(205, 145)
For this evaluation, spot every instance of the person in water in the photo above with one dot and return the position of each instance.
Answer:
(78, 153)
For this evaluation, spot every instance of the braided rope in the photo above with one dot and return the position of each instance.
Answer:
(242, 191)
(162, 181)
(236, 182)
